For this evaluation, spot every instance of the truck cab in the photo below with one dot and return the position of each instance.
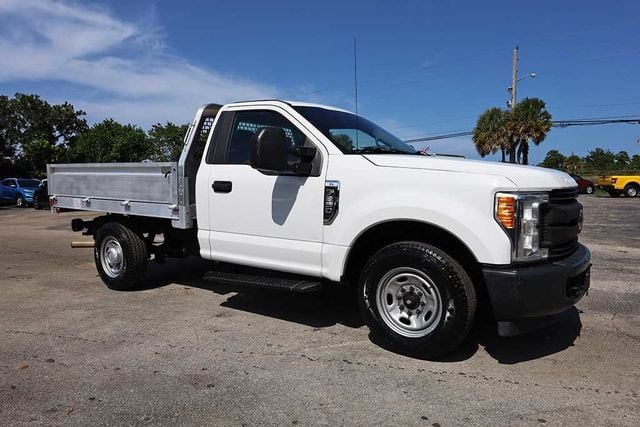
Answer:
(317, 196)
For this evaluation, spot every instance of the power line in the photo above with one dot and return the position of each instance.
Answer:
(555, 123)
(622, 104)
(437, 137)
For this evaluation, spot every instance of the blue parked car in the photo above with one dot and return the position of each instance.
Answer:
(18, 191)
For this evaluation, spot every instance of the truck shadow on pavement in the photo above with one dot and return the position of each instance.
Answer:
(328, 307)
(546, 341)
(335, 305)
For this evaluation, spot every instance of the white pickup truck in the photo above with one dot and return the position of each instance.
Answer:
(315, 196)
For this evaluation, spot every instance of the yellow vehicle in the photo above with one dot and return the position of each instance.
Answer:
(615, 185)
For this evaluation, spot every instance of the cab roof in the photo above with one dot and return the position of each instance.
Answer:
(291, 103)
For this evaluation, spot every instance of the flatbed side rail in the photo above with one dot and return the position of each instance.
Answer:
(145, 189)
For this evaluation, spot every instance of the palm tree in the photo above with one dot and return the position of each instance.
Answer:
(529, 121)
(490, 133)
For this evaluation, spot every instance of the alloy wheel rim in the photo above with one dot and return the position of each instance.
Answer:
(409, 302)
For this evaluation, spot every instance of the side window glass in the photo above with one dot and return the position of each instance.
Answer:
(247, 123)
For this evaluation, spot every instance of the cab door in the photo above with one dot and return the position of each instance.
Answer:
(272, 221)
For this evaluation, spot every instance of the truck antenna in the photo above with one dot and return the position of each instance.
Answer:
(355, 83)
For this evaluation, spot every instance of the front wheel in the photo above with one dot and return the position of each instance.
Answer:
(589, 189)
(120, 256)
(20, 202)
(417, 298)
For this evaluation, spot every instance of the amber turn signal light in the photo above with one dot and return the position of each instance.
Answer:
(507, 211)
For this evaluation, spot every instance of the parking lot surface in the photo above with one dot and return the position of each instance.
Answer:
(184, 351)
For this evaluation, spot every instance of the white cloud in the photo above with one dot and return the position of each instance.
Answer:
(46, 40)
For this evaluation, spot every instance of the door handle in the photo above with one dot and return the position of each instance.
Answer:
(221, 186)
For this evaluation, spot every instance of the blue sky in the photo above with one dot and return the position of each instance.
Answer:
(424, 68)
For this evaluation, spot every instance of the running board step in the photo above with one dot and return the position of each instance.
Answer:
(275, 283)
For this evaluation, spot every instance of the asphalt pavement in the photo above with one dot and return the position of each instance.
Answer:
(183, 351)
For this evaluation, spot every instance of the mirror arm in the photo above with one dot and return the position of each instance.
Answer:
(302, 168)
(305, 153)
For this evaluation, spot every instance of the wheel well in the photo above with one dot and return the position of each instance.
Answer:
(632, 184)
(381, 235)
(176, 243)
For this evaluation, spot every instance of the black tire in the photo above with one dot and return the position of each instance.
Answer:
(128, 274)
(590, 189)
(631, 190)
(448, 281)
(21, 202)
(37, 202)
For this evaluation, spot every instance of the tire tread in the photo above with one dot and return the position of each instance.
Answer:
(135, 253)
(436, 344)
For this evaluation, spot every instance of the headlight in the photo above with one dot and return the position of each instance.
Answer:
(519, 216)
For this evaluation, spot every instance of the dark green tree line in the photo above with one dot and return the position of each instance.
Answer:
(596, 161)
(34, 132)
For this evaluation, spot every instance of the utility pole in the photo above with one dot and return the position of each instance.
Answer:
(512, 103)
(514, 78)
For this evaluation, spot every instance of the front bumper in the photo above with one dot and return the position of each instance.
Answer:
(526, 297)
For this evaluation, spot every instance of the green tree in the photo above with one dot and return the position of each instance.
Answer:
(634, 164)
(38, 153)
(600, 160)
(622, 160)
(7, 142)
(490, 133)
(32, 118)
(573, 163)
(529, 121)
(554, 160)
(110, 141)
(167, 141)
(26, 120)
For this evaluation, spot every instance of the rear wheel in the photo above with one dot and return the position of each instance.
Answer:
(120, 256)
(631, 190)
(589, 189)
(417, 298)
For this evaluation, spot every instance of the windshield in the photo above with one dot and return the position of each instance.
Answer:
(354, 134)
(27, 183)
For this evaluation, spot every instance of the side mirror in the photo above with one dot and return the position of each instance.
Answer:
(269, 150)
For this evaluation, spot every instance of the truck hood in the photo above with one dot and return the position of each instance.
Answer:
(524, 177)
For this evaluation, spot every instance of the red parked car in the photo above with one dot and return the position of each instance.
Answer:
(584, 185)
